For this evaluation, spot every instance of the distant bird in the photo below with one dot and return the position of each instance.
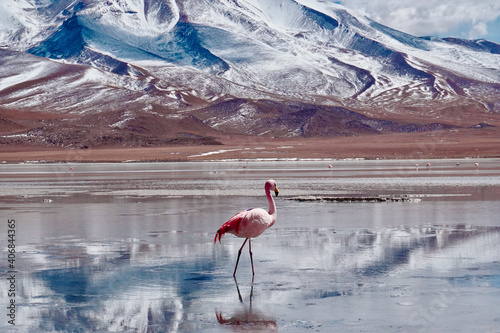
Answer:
(330, 166)
(428, 166)
(416, 166)
(476, 165)
(251, 223)
(457, 165)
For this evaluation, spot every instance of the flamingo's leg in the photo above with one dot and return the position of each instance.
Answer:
(238, 289)
(251, 256)
(239, 254)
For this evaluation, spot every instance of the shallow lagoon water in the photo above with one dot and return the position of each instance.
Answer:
(129, 247)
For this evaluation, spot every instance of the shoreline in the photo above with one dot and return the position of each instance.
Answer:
(236, 160)
(469, 144)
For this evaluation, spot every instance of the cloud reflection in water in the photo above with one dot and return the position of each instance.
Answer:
(174, 283)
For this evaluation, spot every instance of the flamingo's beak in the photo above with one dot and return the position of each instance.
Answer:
(276, 191)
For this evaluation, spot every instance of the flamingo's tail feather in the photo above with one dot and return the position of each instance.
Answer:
(231, 226)
(218, 234)
(225, 228)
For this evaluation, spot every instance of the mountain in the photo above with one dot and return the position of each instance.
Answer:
(154, 72)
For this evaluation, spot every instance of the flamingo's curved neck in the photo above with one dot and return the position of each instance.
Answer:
(270, 200)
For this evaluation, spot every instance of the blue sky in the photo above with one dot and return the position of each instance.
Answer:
(470, 19)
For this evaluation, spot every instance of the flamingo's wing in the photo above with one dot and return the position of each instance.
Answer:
(232, 225)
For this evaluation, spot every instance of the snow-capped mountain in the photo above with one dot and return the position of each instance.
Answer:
(200, 67)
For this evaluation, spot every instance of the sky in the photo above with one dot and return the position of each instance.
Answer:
(469, 19)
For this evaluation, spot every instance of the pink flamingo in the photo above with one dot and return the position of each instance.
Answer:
(476, 165)
(330, 166)
(254, 321)
(428, 166)
(251, 223)
(416, 166)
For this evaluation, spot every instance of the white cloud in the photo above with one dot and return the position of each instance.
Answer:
(480, 29)
(469, 18)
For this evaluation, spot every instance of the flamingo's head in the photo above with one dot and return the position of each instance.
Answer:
(272, 186)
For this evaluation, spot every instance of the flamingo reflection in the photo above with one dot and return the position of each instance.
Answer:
(247, 319)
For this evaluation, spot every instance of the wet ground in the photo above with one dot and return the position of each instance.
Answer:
(129, 247)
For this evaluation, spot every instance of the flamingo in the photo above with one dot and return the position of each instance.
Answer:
(251, 223)
(416, 166)
(428, 166)
(476, 165)
(330, 166)
(248, 318)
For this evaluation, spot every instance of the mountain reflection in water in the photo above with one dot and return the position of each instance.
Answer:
(129, 248)
(135, 286)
